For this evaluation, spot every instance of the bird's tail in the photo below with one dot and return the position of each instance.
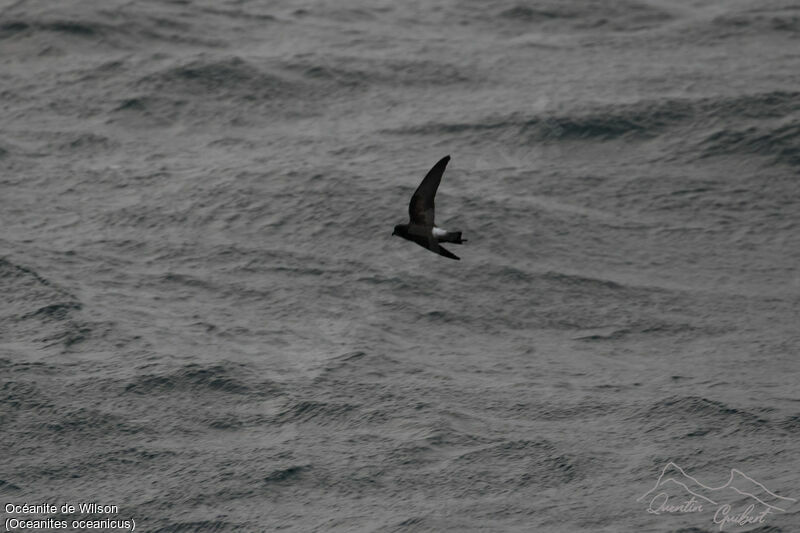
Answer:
(454, 237)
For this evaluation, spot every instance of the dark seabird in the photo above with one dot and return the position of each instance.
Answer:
(420, 227)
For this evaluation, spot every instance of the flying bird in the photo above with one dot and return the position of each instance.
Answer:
(420, 228)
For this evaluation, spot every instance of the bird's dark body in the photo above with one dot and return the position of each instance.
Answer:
(420, 228)
(420, 235)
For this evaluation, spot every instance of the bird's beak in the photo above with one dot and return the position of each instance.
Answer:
(393, 232)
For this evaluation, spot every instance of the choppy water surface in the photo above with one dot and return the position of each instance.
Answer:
(206, 322)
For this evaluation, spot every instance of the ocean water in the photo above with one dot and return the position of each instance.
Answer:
(206, 322)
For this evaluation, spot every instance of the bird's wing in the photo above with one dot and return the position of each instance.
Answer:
(429, 242)
(441, 250)
(420, 210)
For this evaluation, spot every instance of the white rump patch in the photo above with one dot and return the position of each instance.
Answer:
(439, 232)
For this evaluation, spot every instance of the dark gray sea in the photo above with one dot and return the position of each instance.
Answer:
(206, 323)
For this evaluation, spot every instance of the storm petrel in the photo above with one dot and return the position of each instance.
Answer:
(420, 227)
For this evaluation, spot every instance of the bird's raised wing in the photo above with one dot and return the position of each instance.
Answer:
(420, 210)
